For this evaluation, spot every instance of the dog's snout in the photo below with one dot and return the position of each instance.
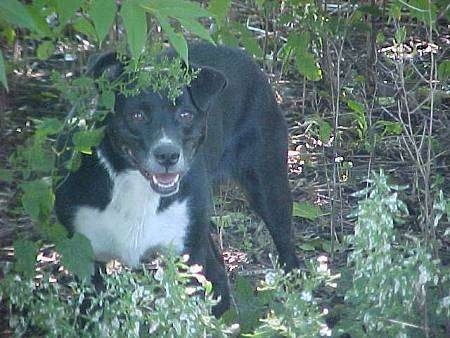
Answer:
(167, 154)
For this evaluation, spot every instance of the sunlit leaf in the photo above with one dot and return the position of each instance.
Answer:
(25, 252)
(77, 255)
(176, 39)
(54, 232)
(85, 27)
(66, 10)
(424, 11)
(196, 28)
(37, 199)
(444, 70)
(45, 49)
(176, 8)
(307, 65)
(3, 72)
(219, 9)
(249, 304)
(48, 126)
(16, 14)
(247, 40)
(307, 247)
(135, 22)
(102, 14)
(306, 210)
(390, 127)
(299, 41)
(325, 131)
(84, 140)
(37, 157)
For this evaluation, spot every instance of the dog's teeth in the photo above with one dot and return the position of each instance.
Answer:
(166, 185)
(154, 179)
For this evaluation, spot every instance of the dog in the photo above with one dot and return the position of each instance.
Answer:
(149, 183)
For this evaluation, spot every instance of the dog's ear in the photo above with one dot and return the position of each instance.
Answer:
(105, 64)
(206, 86)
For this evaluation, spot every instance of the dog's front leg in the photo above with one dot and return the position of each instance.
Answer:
(204, 252)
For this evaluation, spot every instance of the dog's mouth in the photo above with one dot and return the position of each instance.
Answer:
(165, 184)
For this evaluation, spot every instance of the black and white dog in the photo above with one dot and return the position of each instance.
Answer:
(149, 183)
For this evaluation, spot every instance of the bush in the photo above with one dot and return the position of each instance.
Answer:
(164, 304)
(392, 279)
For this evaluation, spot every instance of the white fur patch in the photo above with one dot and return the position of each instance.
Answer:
(130, 226)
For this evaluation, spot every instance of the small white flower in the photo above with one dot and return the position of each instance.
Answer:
(306, 296)
(325, 331)
(270, 277)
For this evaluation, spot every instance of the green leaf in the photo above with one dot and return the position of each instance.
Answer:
(306, 210)
(250, 306)
(307, 247)
(54, 232)
(307, 65)
(42, 27)
(77, 255)
(3, 72)
(16, 14)
(37, 199)
(227, 37)
(400, 35)
(66, 10)
(219, 9)
(37, 157)
(45, 49)
(356, 106)
(248, 40)
(325, 131)
(250, 43)
(424, 11)
(102, 14)
(389, 127)
(196, 28)
(300, 42)
(84, 26)
(107, 99)
(176, 9)
(176, 39)
(25, 257)
(444, 70)
(135, 22)
(373, 10)
(48, 126)
(84, 140)
(6, 175)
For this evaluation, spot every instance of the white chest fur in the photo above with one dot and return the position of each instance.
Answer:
(130, 225)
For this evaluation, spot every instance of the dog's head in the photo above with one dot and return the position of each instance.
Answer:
(153, 135)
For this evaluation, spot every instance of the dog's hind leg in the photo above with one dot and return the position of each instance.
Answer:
(264, 181)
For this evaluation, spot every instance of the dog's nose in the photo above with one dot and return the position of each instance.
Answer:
(166, 154)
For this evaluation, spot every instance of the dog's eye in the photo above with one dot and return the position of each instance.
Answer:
(185, 116)
(137, 116)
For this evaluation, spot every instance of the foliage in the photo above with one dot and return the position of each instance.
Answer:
(96, 18)
(55, 147)
(149, 70)
(164, 303)
(232, 33)
(292, 313)
(306, 210)
(391, 281)
(398, 286)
